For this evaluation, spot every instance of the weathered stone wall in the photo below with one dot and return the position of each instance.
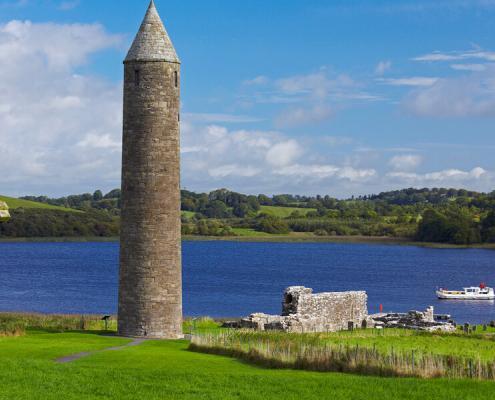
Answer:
(322, 312)
(150, 295)
(303, 311)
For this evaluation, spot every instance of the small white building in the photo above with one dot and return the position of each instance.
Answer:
(4, 212)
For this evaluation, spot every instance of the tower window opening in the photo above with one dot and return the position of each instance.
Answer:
(137, 77)
(176, 79)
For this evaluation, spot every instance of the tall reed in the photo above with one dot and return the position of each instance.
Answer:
(310, 353)
(59, 323)
(11, 328)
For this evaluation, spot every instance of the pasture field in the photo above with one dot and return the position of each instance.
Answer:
(246, 232)
(284, 212)
(14, 203)
(188, 214)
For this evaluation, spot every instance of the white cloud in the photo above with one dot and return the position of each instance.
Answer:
(338, 140)
(412, 81)
(50, 46)
(283, 153)
(382, 67)
(14, 4)
(316, 84)
(405, 162)
(308, 171)
(320, 95)
(442, 178)
(192, 149)
(321, 86)
(260, 161)
(437, 56)
(354, 175)
(234, 170)
(465, 96)
(301, 116)
(319, 172)
(314, 96)
(68, 5)
(476, 53)
(259, 80)
(220, 118)
(61, 131)
(469, 67)
(101, 141)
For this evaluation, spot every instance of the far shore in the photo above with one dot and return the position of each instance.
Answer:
(291, 238)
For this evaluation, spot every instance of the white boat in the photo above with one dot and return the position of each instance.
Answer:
(480, 292)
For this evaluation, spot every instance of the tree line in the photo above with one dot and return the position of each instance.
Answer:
(442, 215)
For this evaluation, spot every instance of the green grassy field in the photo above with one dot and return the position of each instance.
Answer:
(477, 345)
(14, 203)
(188, 214)
(284, 212)
(246, 232)
(167, 370)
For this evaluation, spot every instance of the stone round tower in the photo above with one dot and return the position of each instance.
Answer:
(150, 287)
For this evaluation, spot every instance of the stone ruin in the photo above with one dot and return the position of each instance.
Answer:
(417, 320)
(304, 311)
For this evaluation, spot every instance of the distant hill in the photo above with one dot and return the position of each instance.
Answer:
(443, 215)
(14, 203)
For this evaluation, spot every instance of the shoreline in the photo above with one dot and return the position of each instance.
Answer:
(293, 238)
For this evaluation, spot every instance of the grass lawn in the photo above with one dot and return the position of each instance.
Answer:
(246, 232)
(167, 370)
(284, 212)
(14, 203)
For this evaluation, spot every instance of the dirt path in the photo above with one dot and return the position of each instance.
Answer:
(73, 357)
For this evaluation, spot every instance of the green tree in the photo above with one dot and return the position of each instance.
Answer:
(272, 224)
(488, 228)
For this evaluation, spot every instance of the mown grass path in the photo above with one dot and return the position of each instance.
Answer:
(167, 370)
(77, 356)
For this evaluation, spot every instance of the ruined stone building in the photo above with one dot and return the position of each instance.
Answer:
(150, 287)
(305, 311)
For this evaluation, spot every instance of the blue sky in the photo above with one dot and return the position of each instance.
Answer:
(330, 97)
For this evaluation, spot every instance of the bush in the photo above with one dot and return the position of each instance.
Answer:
(271, 224)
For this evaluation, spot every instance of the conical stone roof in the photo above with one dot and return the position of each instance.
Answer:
(152, 42)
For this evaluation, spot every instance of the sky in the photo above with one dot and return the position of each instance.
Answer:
(305, 97)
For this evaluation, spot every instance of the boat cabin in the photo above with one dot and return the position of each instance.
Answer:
(481, 292)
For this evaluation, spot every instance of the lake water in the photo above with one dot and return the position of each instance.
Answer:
(235, 279)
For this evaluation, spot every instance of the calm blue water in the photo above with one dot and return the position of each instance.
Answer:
(234, 279)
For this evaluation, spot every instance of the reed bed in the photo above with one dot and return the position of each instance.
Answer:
(11, 327)
(200, 324)
(52, 322)
(309, 352)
